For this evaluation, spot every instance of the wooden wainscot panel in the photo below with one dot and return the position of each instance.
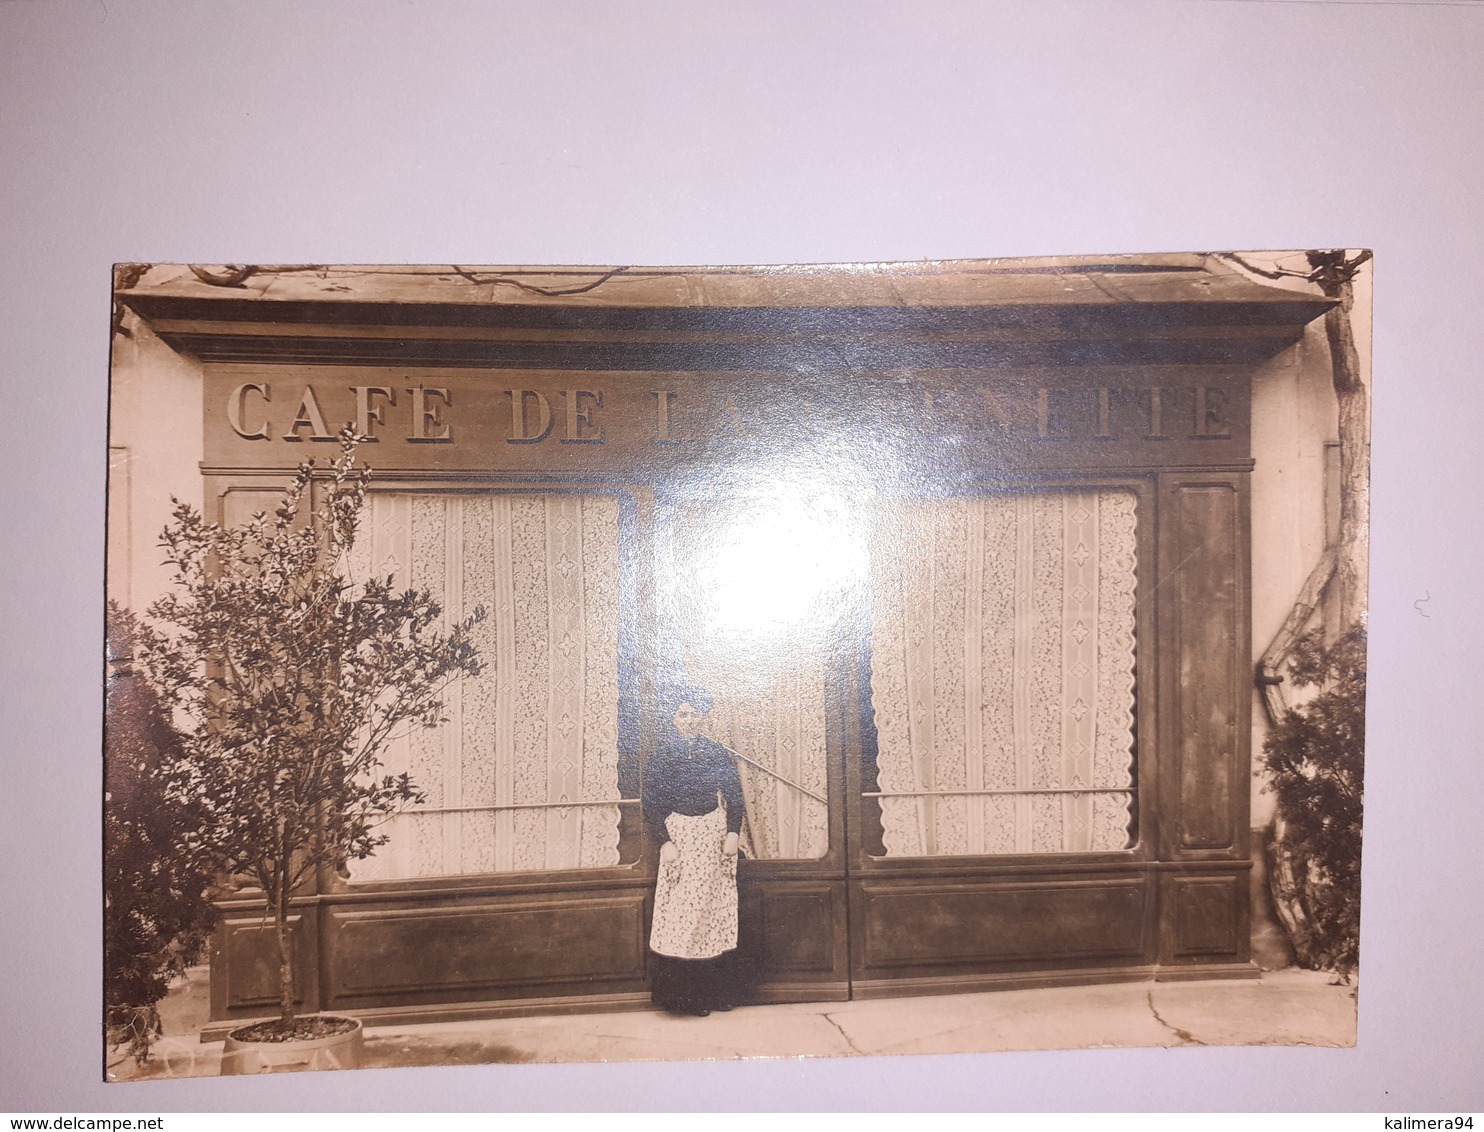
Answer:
(941, 925)
(1205, 918)
(1206, 526)
(240, 504)
(494, 949)
(796, 931)
(244, 965)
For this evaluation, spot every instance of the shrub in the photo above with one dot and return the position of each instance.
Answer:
(1316, 757)
(156, 909)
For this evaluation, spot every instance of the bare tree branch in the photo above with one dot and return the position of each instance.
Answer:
(1266, 273)
(531, 288)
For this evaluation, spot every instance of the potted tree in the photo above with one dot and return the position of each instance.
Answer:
(290, 681)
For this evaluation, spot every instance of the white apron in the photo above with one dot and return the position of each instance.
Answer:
(695, 896)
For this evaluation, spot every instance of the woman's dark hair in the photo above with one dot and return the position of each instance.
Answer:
(676, 694)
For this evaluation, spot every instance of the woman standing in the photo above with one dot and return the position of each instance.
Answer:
(693, 807)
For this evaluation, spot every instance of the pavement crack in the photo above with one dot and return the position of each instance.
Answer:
(853, 1047)
(1185, 1036)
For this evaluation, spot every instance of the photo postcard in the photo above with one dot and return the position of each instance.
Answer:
(550, 664)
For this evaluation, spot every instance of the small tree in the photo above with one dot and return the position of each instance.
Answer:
(1316, 756)
(1316, 752)
(293, 681)
(1334, 272)
(156, 911)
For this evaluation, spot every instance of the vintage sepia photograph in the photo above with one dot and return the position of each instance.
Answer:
(616, 663)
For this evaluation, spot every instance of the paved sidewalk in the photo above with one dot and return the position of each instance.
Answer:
(1289, 1007)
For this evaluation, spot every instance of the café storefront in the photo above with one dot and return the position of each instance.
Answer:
(963, 555)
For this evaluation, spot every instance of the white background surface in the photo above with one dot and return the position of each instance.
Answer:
(288, 131)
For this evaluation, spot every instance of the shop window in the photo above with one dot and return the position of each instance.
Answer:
(524, 773)
(751, 589)
(773, 713)
(1002, 674)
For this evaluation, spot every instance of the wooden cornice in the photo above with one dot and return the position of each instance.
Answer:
(1192, 312)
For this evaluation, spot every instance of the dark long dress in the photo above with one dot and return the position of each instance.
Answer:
(693, 797)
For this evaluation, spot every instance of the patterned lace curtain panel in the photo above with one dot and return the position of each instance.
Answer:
(774, 714)
(768, 703)
(1002, 673)
(532, 742)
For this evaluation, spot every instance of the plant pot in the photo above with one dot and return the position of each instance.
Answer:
(338, 1051)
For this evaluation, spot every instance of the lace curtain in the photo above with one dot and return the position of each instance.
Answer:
(768, 695)
(774, 714)
(1002, 673)
(532, 743)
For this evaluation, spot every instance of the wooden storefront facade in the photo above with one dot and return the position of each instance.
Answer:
(668, 393)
